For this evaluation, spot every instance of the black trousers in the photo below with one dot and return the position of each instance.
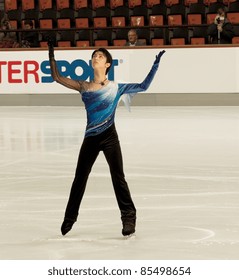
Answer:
(108, 143)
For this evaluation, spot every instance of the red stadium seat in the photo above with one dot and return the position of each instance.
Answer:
(82, 44)
(15, 15)
(97, 4)
(82, 22)
(179, 36)
(84, 35)
(43, 44)
(235, 40)
(62, 4)
(187, 3)
(170, 3)
(10, 5)
(46, 23)
(63, 23)
(102, 37)
(151, 3)
(64, 44)
(158, 36)
(199, 35)
(123, 11)
(118, 21)
(209, 2)
(13, 23)
(66, 38)
(78, 4)
(101, 43)
(233, 17)
(137, 20)
(134, 3)
(197, 41)
(45, 4)
(100, 22)
(175, 20)
(28, 5)
(116, 3)
(119, 42)
(194, 19)
(228, 2)
(177, 41)
(211, 18)
(156, 20)
(157, 41)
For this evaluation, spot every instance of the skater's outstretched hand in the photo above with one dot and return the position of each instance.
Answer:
(158, 57)
(50, 47)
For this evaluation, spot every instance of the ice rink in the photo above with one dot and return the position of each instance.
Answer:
(181, 164)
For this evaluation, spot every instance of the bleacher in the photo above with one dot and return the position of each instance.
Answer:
(82, 23)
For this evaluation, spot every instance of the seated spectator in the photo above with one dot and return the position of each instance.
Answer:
(221, 30)
(133, 39)
(7, 39)
(29, 39)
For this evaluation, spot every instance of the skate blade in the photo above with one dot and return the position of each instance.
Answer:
(130, 236)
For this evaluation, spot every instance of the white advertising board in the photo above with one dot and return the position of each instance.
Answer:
(182, 70)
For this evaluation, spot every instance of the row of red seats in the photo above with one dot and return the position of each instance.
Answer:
(158, 15)
(154, 21)
(157, 37)
(120, 21)
(94, 4)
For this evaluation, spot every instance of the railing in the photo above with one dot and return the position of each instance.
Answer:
(167, 33)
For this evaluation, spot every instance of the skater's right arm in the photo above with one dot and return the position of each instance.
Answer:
(67, 82)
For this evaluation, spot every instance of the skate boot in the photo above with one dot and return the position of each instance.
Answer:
(66, 226)
(128, 227)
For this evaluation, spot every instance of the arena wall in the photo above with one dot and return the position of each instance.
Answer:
(187, 75)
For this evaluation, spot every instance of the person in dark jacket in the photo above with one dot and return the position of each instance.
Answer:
(133, 39)
(221, 30)
(29, 38)
(7, 39)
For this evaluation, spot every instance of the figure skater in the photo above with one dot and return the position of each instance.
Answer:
(101, 97)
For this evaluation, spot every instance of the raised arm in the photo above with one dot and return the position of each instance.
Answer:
(67, 82)
(138, 87)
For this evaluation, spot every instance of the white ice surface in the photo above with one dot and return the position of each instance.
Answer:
(181, 164)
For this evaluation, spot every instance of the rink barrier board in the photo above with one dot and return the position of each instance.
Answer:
(187, 76)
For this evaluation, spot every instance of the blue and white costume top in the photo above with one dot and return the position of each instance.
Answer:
(101, 104)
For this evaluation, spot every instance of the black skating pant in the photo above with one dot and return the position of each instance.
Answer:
(107, 142)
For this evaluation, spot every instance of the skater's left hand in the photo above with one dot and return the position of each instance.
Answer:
(158, 57)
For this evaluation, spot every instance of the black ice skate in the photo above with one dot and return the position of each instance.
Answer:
(66, 226)
(128, 227)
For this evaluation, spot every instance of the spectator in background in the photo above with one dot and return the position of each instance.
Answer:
(7, 39)
(221, 30)
(133, 39)
(29, 38)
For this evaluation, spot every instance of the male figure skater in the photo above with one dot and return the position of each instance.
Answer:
(101, 97)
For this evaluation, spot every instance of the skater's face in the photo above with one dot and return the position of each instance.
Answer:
(99, 61)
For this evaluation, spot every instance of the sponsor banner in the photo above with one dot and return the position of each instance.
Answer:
(182, 70)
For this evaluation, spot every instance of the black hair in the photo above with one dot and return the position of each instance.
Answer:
(28, 21)
(107, 55)
(221, 10)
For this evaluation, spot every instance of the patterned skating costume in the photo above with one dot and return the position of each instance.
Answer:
(101, 135)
